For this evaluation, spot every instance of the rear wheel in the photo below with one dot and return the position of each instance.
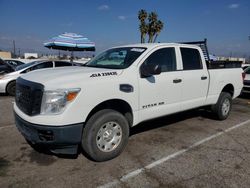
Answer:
(105, 135)
(11, 88)
(223, 106)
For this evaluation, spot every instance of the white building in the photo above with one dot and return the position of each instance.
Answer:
(30, 55)
(232, 59)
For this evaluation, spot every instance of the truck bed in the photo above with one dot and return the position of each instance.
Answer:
(223, 64)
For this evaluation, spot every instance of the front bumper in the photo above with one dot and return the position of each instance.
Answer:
(57, 139)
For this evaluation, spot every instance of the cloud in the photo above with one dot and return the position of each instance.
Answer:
(233, 6)
(122, 18)
(5, 38)
(66, 24)
(103, 7)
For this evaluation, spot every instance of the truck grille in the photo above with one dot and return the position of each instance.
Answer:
(29, 96)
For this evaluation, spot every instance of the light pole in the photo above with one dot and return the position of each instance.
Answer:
(19, 55)
(14, 48)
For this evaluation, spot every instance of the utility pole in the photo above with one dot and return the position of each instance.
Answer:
(14, 48)
(19, 55)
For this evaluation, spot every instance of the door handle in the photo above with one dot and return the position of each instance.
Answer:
(177, 80)
(203, 77)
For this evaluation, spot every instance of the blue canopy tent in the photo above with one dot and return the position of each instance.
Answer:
(70, 42)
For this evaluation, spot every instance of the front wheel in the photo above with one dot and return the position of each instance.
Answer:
(11, 88)
(223, 106)
(105, 135)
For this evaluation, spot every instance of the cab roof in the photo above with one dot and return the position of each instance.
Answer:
(154, 45)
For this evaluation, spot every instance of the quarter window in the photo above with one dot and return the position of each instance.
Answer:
(191, 59)
(164, 57)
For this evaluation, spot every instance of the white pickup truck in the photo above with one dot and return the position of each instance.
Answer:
(95, 106)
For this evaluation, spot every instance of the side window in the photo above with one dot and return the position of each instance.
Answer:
(191, 59)
(43, 65)
(62, 64)
(164, 57)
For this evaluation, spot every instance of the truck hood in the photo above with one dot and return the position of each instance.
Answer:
(65, 77)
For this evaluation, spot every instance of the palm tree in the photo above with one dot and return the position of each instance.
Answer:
(144, 30)
(152, 18)
(159, 27)
(142, 16)
(149, 24)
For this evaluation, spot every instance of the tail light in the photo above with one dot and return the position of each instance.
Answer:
(243, 76)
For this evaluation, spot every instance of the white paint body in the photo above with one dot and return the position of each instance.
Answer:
(192, 92)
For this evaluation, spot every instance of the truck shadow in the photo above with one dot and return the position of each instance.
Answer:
(170, 119)
(245, 96)
(3, 95)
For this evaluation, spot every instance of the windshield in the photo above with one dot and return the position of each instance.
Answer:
(116, 58)
(247, 70)
(14, 63)
(20, 67)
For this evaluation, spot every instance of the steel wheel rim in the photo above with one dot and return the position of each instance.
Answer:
(109, 136)
(225, 107)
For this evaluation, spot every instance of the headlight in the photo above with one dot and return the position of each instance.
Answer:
(55, 102)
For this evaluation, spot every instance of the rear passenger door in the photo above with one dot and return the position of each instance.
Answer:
(195, 78)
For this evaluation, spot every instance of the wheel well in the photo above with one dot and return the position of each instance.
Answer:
(229, 88)
(9, 84)
(115, 104)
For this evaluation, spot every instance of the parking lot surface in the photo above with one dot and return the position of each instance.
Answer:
(188, 149)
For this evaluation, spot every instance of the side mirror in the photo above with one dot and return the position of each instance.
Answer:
(150, 70)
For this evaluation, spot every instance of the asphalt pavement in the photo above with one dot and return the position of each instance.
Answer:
(188, 149)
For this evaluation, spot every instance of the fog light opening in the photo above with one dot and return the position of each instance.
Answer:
(45, 135)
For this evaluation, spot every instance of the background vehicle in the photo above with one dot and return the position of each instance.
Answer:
(13, 62)
(94, 106)
(5, 67)
(246, 87)
(244, 66)
(8, 81)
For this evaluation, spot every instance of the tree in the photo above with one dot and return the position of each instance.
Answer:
(152, 18)
(149, 25)
(159, 27)
(142, 16)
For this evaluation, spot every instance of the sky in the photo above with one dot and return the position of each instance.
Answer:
(108, 23)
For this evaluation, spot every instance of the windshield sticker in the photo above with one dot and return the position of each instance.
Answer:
(104, 74)
(137, 49)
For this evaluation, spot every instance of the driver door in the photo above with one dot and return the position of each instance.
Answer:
(160, 94)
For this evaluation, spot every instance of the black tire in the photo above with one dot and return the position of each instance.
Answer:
(95, 125)
(220, 112)
(11, 88)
